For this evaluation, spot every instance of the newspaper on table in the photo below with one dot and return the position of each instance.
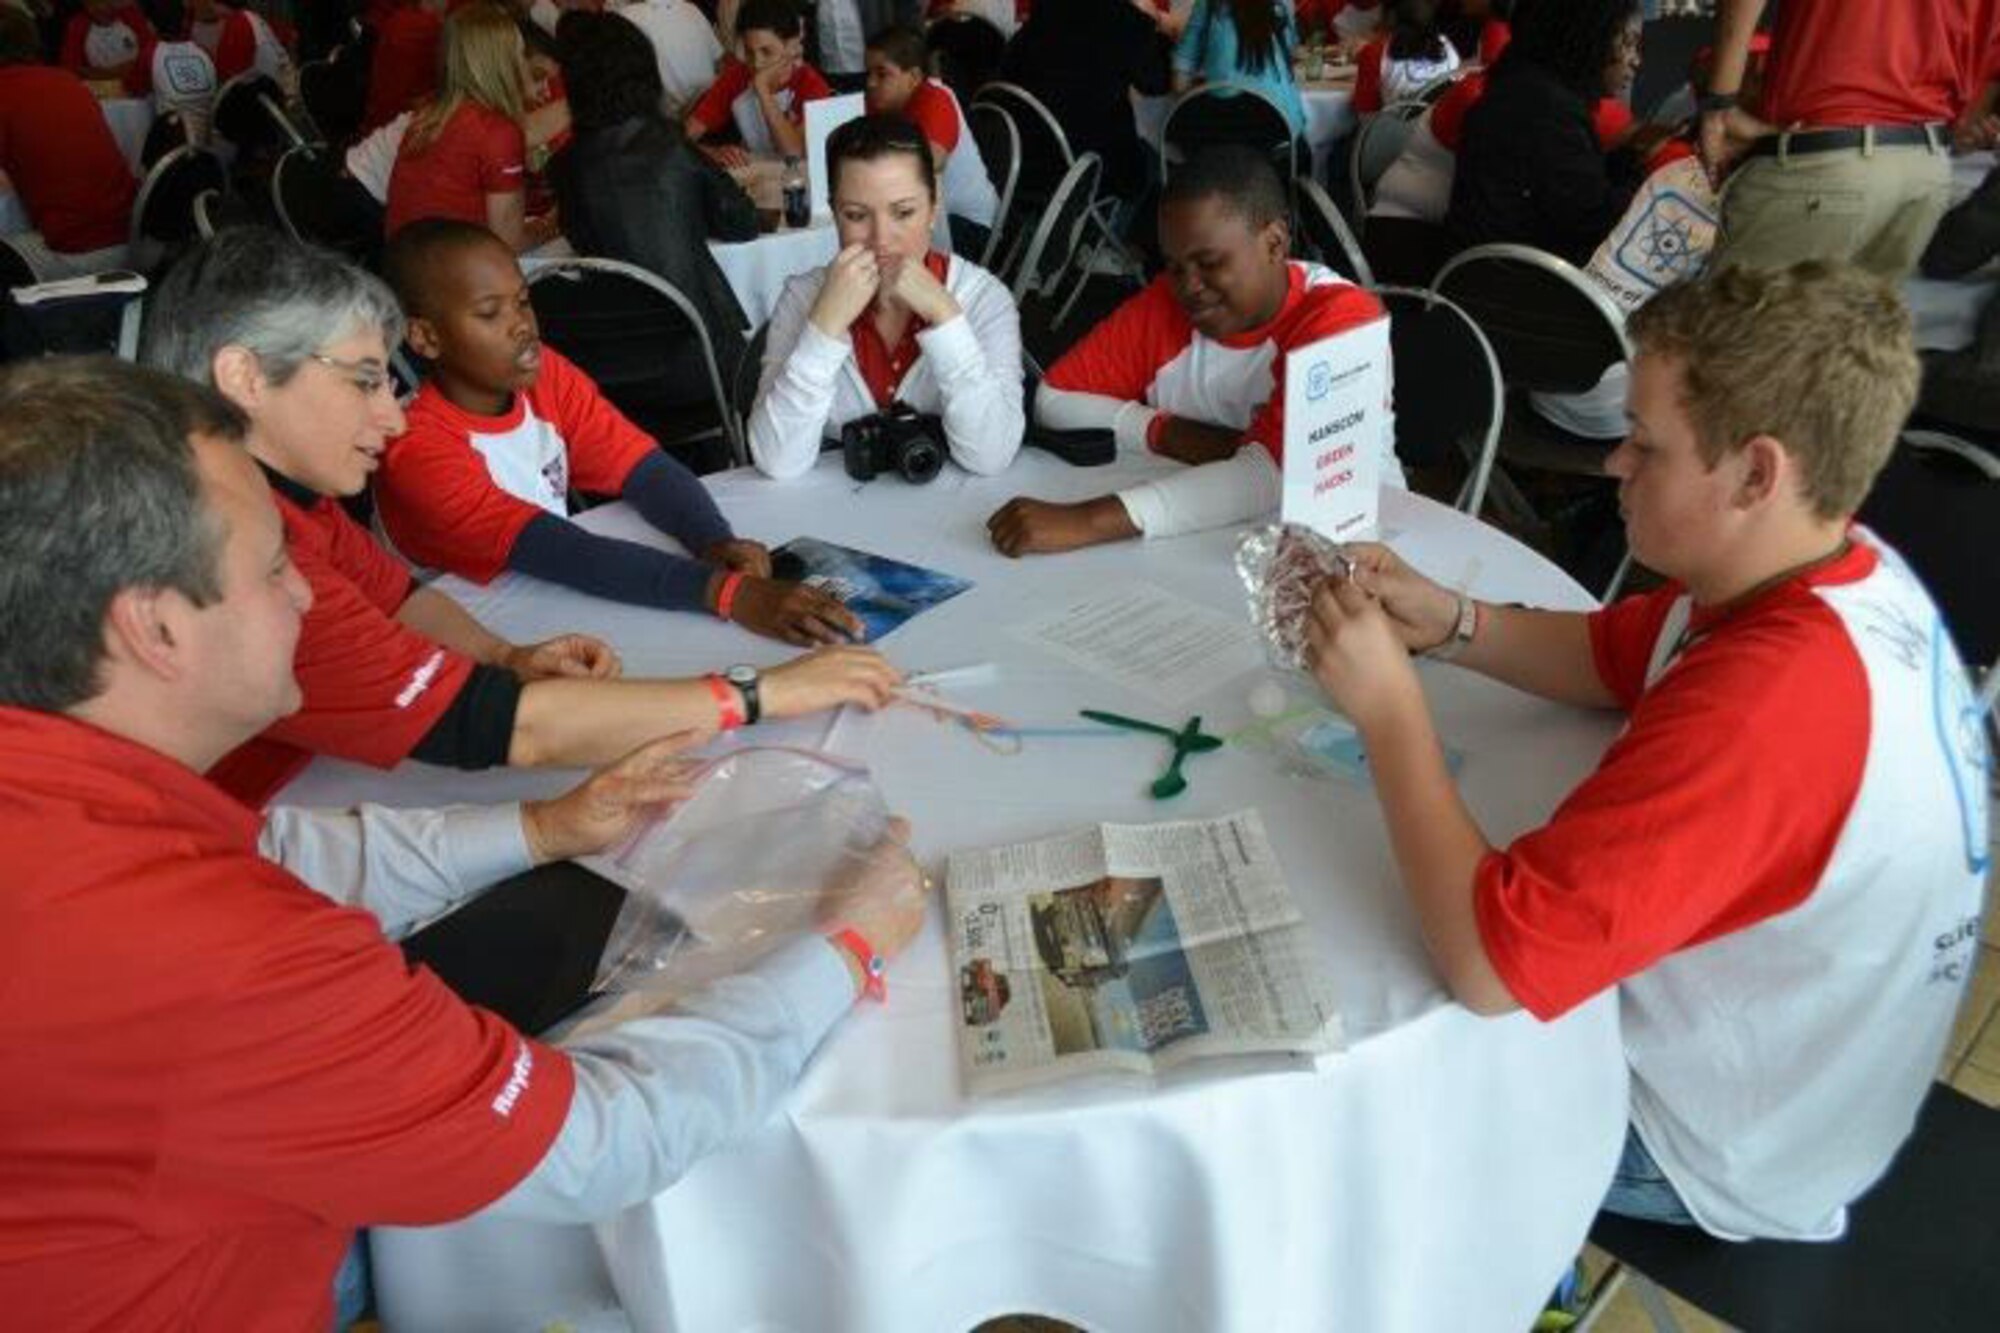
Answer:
(1133, 948)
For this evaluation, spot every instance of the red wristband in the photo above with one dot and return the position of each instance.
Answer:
(725, 596)
(872, 963)
(1155, 429)
(727, 702)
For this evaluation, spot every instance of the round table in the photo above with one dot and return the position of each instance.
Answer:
(1439, 1173)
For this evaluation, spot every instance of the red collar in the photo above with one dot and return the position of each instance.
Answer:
(882, 367)
(52, 755)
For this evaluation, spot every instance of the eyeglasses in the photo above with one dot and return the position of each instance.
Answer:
(366, 375)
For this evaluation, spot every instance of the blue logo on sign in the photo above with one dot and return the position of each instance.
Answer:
(1319, 380)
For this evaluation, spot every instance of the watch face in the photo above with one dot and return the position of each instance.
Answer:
(741, 675)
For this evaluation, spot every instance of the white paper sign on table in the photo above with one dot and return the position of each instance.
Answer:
(1147, 639)
(1336, 416)
(823, 117)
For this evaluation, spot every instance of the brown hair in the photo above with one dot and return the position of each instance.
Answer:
(1820, 356)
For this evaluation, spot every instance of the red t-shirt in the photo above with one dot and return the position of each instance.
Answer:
(713, 110)
(373, 687)
(1147, 351)
(57, 150)
(477, 153)
(882, 367)
(1611, 118)
(1876, 62)
(450, 492)
(403, 70)
(219, 1074)
(1719, 805)
(932, 110)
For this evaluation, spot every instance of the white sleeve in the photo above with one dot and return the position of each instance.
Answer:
(655, 1095)
(795, 395)
(404, 866)
(1212, 495)
(976, 361)
(1072, 409)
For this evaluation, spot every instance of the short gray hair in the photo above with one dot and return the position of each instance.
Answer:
(259, 289)
(98, 493)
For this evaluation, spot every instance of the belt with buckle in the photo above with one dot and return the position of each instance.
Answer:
(1804, 142)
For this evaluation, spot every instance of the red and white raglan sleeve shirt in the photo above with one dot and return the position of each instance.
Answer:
(1718, 806)
(456, 489)
(1146, 363)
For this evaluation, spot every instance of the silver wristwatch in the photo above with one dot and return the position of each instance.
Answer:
(1461, 632)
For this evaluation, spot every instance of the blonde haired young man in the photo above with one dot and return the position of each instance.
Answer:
(1779, 860)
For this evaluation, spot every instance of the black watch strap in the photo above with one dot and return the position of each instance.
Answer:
(1711, 102)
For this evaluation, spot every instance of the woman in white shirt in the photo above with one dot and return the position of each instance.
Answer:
(889, 321)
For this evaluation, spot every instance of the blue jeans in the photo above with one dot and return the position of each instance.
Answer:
(1642, 1190)
(352, 1293)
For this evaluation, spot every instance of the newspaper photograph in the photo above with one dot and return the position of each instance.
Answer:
(1132, 948)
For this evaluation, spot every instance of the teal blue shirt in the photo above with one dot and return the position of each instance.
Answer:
(1209, 48)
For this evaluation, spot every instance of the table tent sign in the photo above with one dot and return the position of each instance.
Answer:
(1336, 414)
(823, 117)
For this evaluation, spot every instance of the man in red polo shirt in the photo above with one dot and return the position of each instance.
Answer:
(248, 1071)
(59, 154)
(1849, 149)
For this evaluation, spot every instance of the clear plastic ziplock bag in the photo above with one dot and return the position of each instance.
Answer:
(740, 867)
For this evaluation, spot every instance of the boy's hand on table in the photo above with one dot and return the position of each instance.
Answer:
(794, 612)
(1024, 526)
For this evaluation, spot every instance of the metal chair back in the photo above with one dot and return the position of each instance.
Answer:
(1324, 234)
(1553, 331)
(1435, 344)
(1227, 113)
(163, 212)
(1053, 246)
(1377, 145)
(630, 329)
(1000, 149)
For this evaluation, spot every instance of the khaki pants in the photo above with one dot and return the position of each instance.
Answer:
(1873, 207)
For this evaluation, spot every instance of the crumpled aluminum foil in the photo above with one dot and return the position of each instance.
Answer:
(1281, 566)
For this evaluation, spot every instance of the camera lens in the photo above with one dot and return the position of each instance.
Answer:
(919, 460)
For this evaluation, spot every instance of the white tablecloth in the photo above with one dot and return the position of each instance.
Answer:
(757, 269)
(1329, 117)
(129, 119)
(1437, 1175)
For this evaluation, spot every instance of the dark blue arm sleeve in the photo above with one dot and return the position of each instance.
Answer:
(673, 500)
(558, 550)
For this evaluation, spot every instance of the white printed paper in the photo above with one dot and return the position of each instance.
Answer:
(1148, 640)
(1336, 414)
(823, 117)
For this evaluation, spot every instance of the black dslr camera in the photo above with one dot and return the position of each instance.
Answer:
(899, 439)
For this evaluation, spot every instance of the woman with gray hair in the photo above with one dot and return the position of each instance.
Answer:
(300, 340)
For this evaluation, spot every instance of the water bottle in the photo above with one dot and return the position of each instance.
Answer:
(798, 208)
